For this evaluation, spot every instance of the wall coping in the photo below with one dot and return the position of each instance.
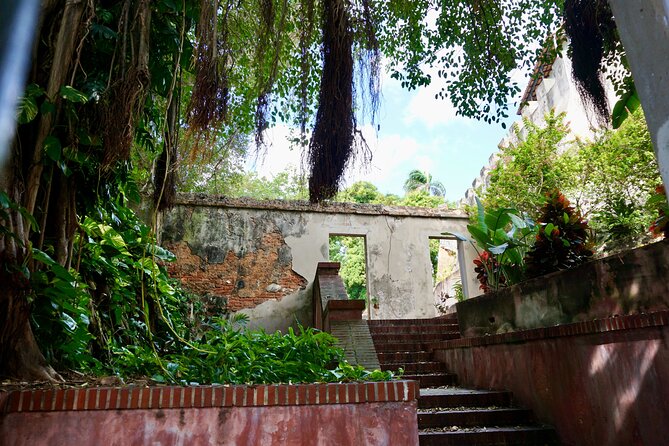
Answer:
(200, 199)
(175, 397)
(612, 324)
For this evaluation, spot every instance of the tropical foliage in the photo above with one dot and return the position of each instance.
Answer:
(146, 89)
(539, 161)
(501, 238)
(419, 181)
(610, 179)
(563, 240)
(117, 312)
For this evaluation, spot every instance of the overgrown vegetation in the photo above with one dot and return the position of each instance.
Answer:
(158, 87)
(503, 237)
(610, 179)
(116, 312)
(563, 240)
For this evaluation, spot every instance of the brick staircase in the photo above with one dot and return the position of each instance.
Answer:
(449, 415)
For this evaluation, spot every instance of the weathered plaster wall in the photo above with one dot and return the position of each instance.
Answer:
(630, 282)
(260, 257)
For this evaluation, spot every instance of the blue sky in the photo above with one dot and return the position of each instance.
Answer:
(416, 131)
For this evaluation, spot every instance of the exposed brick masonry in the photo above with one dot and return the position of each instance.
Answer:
(172, 397)
(237, 282)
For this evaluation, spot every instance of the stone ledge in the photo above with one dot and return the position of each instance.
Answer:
(173, 397)
(631, 322)
(305, 206)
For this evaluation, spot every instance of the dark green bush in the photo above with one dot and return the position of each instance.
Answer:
(563, 240)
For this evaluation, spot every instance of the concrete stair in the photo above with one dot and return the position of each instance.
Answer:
(449, 415)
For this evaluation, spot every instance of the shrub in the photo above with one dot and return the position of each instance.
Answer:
(563, 238)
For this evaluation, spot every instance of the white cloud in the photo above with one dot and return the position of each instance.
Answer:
(393, 155)
(279, 154)
(425, 109)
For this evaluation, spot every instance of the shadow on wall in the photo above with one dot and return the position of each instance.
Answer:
(632, 396)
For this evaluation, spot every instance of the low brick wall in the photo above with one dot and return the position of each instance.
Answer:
(602, 382)
(382, 413)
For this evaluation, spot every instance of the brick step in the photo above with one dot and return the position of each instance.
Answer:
(520, 435)
(414, 337)
(402, 347)
(474, 417)
(433, 380)
(399, 329)
(403, 357)
(429, 321)
(416, 367)
(457, 397)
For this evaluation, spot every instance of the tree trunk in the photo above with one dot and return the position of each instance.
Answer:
(63, 55)
(20, 356)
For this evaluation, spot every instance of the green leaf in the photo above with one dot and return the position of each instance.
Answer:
(548, 229)
(517, 221)
(52, 147)
(497, 219)
(73, 95)
(498, 249)
(47, 107)
(481, 215)
(458, 236)
(158, 378)
(43, 257)
(499, 237)
(626, 105)
(27, 110)
(4, 200)
(482, 238)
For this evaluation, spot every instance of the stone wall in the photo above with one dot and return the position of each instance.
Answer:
(260, 257)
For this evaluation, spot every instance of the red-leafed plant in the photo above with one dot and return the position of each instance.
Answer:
(486, 266)
(563, 240)
(660, 226)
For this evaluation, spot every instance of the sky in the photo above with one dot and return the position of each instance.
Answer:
(415, 131)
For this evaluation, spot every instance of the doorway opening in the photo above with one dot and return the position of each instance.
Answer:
(446, 278)
(351, 252)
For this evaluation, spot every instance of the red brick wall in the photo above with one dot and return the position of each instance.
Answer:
(301, 415)
(599, 383)
(239, 281)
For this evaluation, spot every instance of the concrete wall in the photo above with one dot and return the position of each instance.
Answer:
(599, 383)
(378, 414)
(260, 257)
(626, 283)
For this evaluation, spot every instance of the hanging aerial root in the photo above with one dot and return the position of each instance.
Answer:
(209, 101)
(332, 140)
(118, 117)
(591, 29)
